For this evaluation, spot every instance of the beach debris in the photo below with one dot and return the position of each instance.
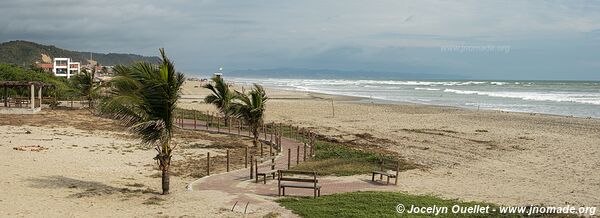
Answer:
(27, 132)
(35, 148)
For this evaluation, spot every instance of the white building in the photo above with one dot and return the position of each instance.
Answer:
(65, 67)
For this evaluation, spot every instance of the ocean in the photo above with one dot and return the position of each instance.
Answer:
(569, 98)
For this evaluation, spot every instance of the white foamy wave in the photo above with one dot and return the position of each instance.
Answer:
(428, 89)
(585, 98)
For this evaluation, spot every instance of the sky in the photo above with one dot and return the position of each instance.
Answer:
(504, 39)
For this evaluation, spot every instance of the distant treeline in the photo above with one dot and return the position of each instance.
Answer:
(25, 53)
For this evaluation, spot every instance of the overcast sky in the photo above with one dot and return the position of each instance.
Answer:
(505, 39)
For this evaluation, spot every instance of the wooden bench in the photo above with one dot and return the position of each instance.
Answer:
(389, 170)
(291, 180)
(264, 172)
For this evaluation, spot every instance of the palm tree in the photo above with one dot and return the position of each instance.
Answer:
(85, 85)
(221, 97)
(251, 109)
(144, 97)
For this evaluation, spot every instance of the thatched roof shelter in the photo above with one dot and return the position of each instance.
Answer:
(15, 84)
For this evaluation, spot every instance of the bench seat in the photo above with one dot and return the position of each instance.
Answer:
(264, 175)
(289, 179)
(384, 173)
(296, 185)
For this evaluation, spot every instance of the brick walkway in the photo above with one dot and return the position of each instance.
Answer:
(239, 184)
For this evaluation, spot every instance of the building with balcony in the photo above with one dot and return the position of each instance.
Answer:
(65, 67)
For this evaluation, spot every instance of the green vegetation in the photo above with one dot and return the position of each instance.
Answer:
(86, 86)
(144, 97)
(24, 53)
(375, 204)
(251, 109)
(8, 72)
(345, 160)
(222, 97)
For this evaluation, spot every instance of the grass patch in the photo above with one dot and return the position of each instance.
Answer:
(380, 204)
(344, 160)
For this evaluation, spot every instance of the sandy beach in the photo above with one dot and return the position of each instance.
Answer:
(71, 163)
(73, 159)
(500, 157)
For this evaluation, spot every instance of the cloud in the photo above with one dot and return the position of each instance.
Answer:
(387, 34)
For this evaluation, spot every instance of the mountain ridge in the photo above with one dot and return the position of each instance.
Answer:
(25, 53)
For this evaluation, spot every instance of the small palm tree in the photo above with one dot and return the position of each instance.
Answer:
(251, 109)
(85, 85)
(222, 97)
(144, 97)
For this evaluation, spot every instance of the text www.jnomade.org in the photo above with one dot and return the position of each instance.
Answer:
(487, 209)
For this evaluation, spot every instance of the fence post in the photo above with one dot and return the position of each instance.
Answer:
(218, 124)
(265, 131)
(207, 122)
(208, 163)
(239, 127)
(305, 152)
(227, 160)
(289, 157)
(246, 157)
(271, 149)
(194, 119)
(271, 133)
(298, 155)
(251, 166)
(261, 149)
(228, 123)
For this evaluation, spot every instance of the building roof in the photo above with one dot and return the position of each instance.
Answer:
(24, 84)
(44, 65)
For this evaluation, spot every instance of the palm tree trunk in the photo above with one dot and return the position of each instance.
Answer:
(164, 159)
(256, 135)
(165, 181)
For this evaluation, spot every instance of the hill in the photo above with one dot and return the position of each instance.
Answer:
(25, 53)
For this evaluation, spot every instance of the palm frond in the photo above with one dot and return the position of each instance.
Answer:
(144, 97)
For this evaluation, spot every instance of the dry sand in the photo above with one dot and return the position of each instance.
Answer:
(500, 157)
(90, 167)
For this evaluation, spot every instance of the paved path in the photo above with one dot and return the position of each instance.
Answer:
(239, 184)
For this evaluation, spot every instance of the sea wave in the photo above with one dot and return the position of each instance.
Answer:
(585, 98)
(428, 89)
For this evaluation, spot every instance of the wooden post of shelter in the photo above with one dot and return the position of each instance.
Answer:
(32, 96)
